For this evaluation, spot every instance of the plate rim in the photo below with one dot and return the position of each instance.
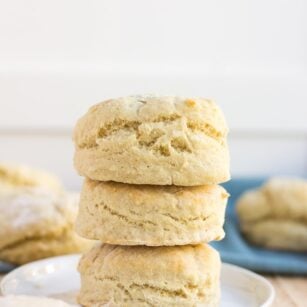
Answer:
(242, 270)
(256, 276)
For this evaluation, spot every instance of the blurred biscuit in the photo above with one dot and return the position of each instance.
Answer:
(159, 140)
(37, 223)
(150, 276)
(124, 214)
(14, 176)
(275, 215)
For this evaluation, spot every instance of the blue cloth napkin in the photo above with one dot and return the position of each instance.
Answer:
(5, 267)
(235, 249)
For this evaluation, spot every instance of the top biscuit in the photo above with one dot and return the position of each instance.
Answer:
(153, 140)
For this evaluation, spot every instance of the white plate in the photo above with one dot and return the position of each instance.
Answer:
(58, 278)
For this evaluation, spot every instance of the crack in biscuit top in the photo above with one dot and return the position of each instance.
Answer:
(147, 118)
(119, 125)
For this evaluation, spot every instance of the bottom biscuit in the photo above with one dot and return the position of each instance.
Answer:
(150, 276)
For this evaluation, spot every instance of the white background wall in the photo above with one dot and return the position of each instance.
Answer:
(59, 57)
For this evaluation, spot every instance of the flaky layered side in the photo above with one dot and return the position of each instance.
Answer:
(150, 276)
(153, 140)
(126, 214)
(275, 215)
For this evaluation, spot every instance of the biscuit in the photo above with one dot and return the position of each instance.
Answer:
(150, 276)
(37, 223)
(16, 176)
(275, 215)
(153, 140)
(124, 214)
(30, 301)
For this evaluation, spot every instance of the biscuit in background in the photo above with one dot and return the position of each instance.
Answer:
(38, 223)
(275, 215)
(14, 176)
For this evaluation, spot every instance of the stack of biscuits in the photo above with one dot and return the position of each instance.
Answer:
(151, 197)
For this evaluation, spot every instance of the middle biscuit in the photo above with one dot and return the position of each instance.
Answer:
(125, 214)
